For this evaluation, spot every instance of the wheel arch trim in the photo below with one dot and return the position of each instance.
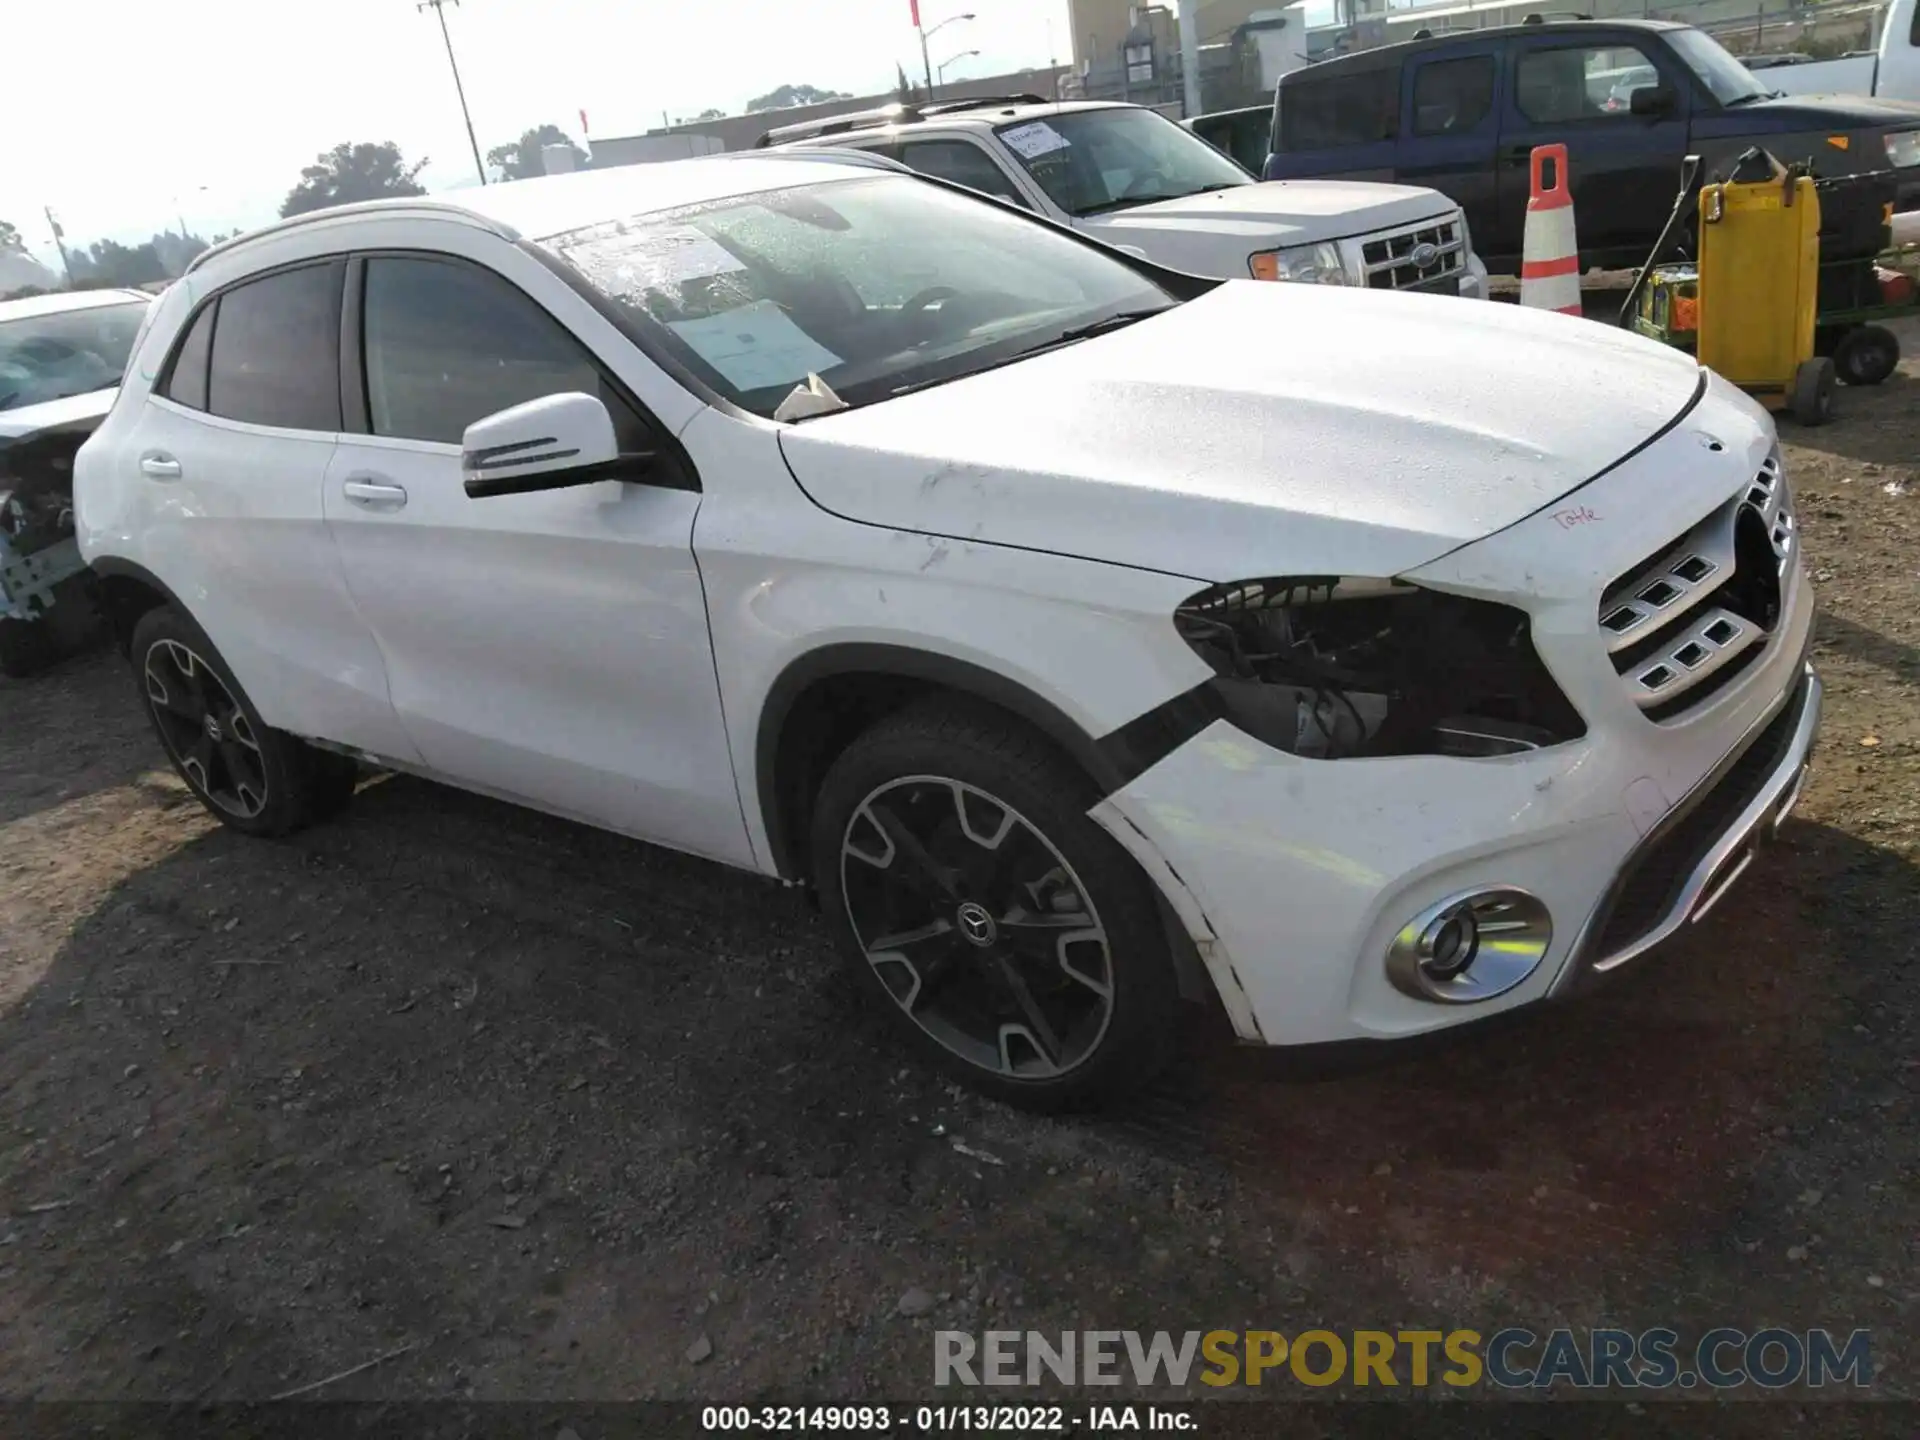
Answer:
(115, 567)
(904, 663)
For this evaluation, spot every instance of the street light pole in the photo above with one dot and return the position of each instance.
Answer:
(439, 8)
(926, 60)
(1190, 57)
(60, 244)
(941, 68)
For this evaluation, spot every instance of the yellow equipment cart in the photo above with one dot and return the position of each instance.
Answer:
(1750, 299)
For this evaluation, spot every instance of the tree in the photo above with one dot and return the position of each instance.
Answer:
(348, 173)
(107, 264)
(710, 115)
(522, 160)
(10, 237)
(787, 96)
(904, 90)
(110, 265)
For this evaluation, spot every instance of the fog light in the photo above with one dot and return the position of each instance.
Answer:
(1470, 947)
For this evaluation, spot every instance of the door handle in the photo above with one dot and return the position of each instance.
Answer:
(160, 467)
(1518, 154)
(374, 494)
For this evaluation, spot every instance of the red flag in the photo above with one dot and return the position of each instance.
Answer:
(916, 12)
(583, 122)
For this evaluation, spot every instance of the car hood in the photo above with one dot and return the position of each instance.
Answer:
(1278, 212)
(1817, 112)
(71, 411)
(1261, 429)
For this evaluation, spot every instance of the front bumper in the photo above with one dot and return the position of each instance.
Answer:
(1295, 877)
(1473, 284)
(1680, 872)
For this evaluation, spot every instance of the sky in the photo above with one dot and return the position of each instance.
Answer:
(147, 115)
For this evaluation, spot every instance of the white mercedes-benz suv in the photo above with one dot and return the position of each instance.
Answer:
(1084, 635)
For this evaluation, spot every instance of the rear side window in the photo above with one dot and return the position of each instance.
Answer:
(962, 163)
(448, 344)
(1450, 96)
(276, 350)
(1343, 107)
(187, 382)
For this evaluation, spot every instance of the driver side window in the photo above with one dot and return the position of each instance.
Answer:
(448, 343)
(1576, 82)
(964, 163)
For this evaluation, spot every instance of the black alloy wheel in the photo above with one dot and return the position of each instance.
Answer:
(256, 779)
(977, 927)
(1009, 937)
(205, 732)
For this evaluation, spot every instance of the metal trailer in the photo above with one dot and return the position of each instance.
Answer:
(1850, 326)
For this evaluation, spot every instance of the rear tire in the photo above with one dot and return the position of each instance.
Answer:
(1011, 939)
(1866, 355)
(252, 778)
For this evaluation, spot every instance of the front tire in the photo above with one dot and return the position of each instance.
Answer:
(1012, 940)
(1812, 400)
(252, 778)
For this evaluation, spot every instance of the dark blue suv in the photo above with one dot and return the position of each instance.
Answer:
(1461, 113)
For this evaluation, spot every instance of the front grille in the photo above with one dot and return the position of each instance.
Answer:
(1428, 256)
(1683, 624)
(1651, 886)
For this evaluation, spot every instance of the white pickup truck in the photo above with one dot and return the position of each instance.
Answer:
(1891, 72)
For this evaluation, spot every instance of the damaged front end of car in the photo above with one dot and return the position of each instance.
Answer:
(1332, 668)
(46, 610)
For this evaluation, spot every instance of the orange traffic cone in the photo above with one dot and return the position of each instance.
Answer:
(1550, 256)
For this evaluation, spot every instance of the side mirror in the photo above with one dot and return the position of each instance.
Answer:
(552, 443)
(1652, 100)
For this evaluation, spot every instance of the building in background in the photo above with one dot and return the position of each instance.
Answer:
(654, 146)
(1124, 50)
(20, 271)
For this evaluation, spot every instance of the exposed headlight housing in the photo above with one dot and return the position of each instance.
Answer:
(1301, 264)
(1330, 668)
(1903, 148)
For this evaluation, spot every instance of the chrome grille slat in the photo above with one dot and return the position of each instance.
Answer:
(1389, 258)
(1669, 625)
(1693, 657)
(1768, 495)
(1710, 542)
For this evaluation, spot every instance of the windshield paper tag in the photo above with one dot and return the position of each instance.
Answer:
(654, 257)
(755, 346)
(1034, 140)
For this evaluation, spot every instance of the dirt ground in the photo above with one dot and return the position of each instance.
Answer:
(555, 1115)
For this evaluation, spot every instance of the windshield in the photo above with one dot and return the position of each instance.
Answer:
(867, 287)
(1093, 161)
(1726, 78)
(68, 352)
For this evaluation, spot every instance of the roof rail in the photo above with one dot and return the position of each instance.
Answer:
(334, 212)
(1539, 18)
(982, 102)
(895, 114)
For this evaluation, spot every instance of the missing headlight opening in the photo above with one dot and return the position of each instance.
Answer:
(1331, 668)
